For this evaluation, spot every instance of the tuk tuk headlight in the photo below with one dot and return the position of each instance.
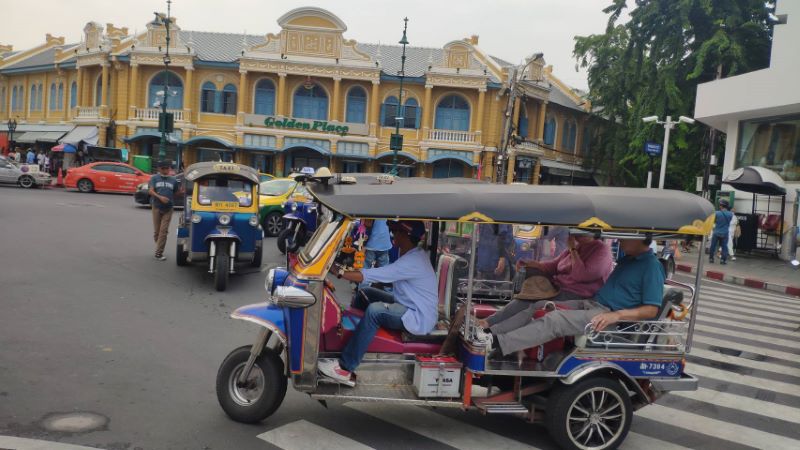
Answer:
(196, 218)
(224, 219)
(253, 221)
(294, 207)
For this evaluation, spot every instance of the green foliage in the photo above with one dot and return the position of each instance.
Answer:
(652, 64)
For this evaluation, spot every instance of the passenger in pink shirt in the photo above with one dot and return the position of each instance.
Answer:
(579, 272)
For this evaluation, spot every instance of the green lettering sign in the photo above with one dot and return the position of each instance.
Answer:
(300, 124)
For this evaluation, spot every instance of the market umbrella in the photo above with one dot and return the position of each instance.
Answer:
(69, 148)
(58, 148)
(758, 180)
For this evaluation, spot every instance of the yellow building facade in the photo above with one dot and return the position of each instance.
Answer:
(304, 95)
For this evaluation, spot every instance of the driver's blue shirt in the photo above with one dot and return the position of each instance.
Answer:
(414, 286)
(636, 281)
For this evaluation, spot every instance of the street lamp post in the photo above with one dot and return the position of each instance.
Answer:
(165, 120)
(396, 141)
(668, 126)
(12, 126)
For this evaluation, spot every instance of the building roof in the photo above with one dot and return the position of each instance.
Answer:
(44, 58)
(560, 98)
(218, 47)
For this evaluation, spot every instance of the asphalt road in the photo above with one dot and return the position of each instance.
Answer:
(91, 323)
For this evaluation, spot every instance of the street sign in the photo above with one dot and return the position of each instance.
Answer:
(652, 148)
(396, 142)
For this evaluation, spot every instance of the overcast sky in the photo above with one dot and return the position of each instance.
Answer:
(509, 29)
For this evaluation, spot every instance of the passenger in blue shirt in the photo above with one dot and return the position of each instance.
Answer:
(412, 306)
(722, 223)
(633, 291)
(378, 245)
(492, 253)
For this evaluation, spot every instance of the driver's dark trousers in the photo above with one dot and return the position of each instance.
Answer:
(380, 310)
(516, 329)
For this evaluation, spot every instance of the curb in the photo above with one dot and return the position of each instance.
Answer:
(793, 291)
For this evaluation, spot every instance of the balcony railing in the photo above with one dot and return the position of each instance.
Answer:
(549, 153)
(87, 112)
(459, 137)
(152, 114)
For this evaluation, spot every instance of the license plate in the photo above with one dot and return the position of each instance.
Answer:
(225, 205)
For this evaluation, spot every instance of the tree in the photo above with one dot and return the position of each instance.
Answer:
(652, 64)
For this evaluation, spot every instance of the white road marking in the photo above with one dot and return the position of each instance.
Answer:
(776, 386)
(744, 362)
(636, 441)
(734, 315)
(714, 428)
(746, 348)
(438, 427)
(749, 293)
(745, 310)
(15, 443)
(751, 336)
(756, 304)
(738, 402)
(755, 328)
(303, 435)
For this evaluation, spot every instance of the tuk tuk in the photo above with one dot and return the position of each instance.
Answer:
(584, 390)
(220, 220)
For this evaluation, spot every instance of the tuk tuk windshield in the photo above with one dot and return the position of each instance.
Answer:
(275, 188)
(224, 189)
(320, 238)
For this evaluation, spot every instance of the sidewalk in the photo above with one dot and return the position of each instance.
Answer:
(758, 272)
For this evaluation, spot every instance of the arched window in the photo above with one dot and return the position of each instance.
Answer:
(32, 98)
(73, 95)
(586, 142)
(411, 114)
(264, 101)
(389, 111)
(39, 97)
(208, 98)
(229, 99)
(60, 99)
(522, 125)
(98, 91)
(52, 102)
(356, 105)
(310, 103)
(452, 113)
(155, 91)
(14, 98)
(573, 136)
(550, 131)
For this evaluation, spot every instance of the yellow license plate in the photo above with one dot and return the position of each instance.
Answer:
(225, 205)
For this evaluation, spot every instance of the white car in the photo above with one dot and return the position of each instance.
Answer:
(23, 175)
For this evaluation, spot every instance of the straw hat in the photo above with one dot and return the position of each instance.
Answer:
(537, 287)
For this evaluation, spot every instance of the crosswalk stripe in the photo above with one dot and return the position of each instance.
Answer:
(302, 435)
(789, 358)
(747, 319)
(755, 328)
(715, 428)
(744, 292)
(437, 427)
(729, 359)
(714, 305)
(751, 405)
(750, 303)
(752, 336)
(16, 443)
(776, 386)
(636, 441)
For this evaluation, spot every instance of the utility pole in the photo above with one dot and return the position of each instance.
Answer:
(165, 120)
(710, 151)
(508, 127)
(396, 140)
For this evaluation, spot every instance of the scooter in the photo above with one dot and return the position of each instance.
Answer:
(300, 222)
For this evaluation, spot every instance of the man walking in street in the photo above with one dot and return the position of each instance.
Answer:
(719, 236)
(162, 193)
(30, 157)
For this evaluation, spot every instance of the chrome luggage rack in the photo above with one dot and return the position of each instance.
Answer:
(662, 335)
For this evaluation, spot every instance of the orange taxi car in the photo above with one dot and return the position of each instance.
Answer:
(105, 177)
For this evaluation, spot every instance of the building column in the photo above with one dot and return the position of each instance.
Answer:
(426, 107)
(375, 107)
(188, 94)
(540, 125)
(280, 109)
(512, 161)
(537, 170)
(104, 87)
(82, 76)
(481, 109)
(240, 109)
(46, 98)
(134, 90)
(336, 109)
(515, 113)
(26, 101)
(65, 106)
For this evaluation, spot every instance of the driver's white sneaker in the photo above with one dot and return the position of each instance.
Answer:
(331, 369)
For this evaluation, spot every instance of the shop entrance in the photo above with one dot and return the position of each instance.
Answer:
(449, 168)
(299, 157)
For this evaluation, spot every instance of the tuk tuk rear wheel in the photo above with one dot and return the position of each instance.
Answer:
(593, 413)
(180, 255)
(221, 267)
(260, 395)
(257, 256)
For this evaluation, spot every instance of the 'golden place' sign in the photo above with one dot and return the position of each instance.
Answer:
(306, 125)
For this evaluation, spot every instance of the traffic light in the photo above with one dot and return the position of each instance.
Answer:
(166, 122)
(396, 142)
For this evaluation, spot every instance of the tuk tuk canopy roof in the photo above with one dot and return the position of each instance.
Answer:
(204, 169)
(601, 208)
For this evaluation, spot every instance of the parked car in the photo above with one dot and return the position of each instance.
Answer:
(105, 177)
(142, 194)
(22, 175)
(272, 195)
(262, 177)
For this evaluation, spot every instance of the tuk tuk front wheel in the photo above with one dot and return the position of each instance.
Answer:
(593, 413)
(221, 267)
(257, 256)
(287, 242)
(260, 395)
(273, 224)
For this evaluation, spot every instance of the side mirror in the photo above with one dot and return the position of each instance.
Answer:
(293, 297)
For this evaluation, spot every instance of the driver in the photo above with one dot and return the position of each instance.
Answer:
(411, 307)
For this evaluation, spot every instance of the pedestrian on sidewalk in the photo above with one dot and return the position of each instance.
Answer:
(162, 194)
(30, 157)
(40, 160)
(722, 223)
(732, 234)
